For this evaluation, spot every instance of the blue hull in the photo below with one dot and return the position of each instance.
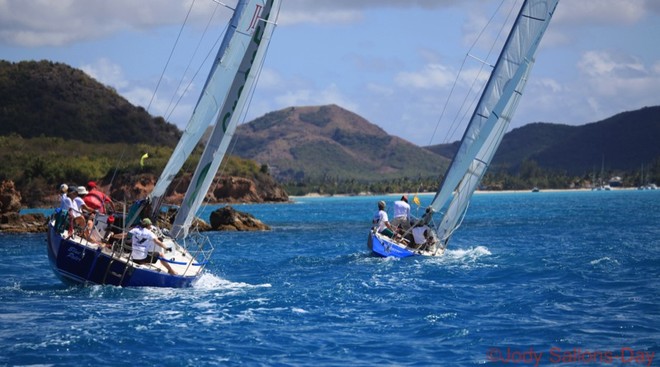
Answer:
(382, 246)
(75, 263)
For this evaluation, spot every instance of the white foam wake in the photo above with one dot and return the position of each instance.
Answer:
(470, 254)
(210, 281)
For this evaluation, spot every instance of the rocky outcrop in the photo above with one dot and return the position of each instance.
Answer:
(130, 188)
(236, 190)
(10, 199)
(229, 219)
(10, 219)
(223, 219)
(27, 223)
(227, 189)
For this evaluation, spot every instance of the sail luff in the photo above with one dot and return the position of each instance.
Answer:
(213, 94)
(468, 185)
(493, 112)
(256, 31)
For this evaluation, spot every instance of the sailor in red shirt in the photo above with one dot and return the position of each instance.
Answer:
(97, 200)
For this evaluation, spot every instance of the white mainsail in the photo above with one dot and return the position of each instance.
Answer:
(492, 114)
(251, 35)
(233, 50)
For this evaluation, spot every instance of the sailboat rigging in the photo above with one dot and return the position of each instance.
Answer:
(77, 258)
(481, 138)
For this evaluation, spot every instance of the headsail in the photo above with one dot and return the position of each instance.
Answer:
(244, 55)
(232, 52)
(492, 114)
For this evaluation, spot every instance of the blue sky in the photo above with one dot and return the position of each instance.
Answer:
(391, 61)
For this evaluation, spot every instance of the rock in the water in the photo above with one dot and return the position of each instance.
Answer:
(10, 199)
(27, 223)
(229, 219)
(10, 219)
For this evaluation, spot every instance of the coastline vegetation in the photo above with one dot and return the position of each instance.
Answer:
(38, 165)
(529, 175)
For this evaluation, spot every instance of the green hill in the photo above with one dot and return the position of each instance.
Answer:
(55, 100)
(623, 141)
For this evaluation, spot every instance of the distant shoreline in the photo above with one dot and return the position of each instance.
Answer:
(478, 192)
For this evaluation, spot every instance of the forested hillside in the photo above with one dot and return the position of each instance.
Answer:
(42, 98)
(622, 142)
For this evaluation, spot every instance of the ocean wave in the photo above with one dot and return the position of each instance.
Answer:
(605, 260)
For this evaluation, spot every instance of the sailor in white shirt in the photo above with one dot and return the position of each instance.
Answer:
(401, 214)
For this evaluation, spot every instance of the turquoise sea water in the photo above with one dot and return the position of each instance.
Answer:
(561, 278)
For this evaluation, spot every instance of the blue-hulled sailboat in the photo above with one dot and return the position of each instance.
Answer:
(482, 136)
(79, 259)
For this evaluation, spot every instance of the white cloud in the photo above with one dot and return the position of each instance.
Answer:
(602, 63)
(433, 76)
(107, 73)
(308, 97)
(57, 23)
(269, 79)
(548, 84)
(600, 12)
(607, 83)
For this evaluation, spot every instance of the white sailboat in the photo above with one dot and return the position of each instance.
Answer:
(644, 182)
(75, 258)
(601, 186)
(482, 136)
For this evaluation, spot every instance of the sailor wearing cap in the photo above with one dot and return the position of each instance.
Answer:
(143, 243)
(382, 221)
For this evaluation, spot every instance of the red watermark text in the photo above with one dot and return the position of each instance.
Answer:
(575, 356)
